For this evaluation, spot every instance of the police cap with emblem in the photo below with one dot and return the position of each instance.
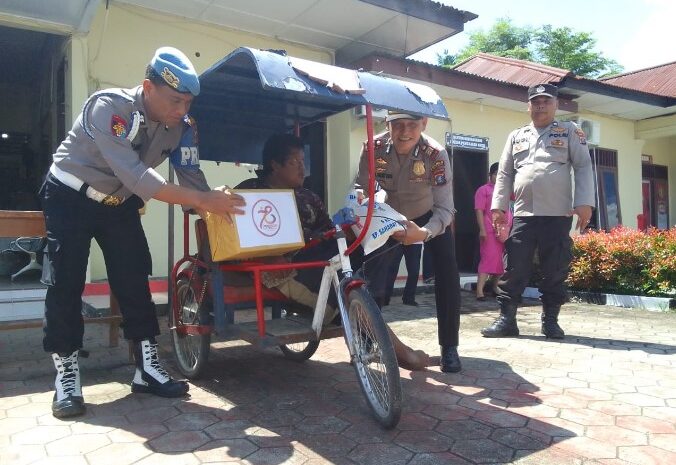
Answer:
(176, 70)
(394, 115)
(547, 90)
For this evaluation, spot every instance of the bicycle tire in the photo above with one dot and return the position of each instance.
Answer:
(297, 353)
(191, 351)
(374, 359)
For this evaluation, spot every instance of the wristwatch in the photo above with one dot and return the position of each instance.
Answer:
(428, 236)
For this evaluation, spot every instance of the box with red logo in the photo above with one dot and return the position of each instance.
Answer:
(270, 226)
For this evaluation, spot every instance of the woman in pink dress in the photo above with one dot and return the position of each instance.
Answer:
(490, 246)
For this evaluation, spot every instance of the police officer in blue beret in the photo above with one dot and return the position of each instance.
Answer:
(101, 175)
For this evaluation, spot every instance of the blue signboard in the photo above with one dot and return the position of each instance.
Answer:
(464, 142)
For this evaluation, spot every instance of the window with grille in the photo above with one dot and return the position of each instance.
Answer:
(608, 213)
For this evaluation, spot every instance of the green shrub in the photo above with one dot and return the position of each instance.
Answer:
(625, 261)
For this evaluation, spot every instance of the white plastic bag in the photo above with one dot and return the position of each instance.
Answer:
(385, 221)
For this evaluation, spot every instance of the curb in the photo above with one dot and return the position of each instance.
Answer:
(655, 304)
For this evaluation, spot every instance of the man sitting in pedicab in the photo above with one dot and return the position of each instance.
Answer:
(284, 168)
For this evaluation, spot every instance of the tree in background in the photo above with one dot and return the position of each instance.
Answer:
(560, 47)
(566, 49)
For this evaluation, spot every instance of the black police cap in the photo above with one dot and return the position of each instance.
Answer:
(542, 89)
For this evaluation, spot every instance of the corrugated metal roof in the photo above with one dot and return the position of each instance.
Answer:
(660, 80)
(511, 70)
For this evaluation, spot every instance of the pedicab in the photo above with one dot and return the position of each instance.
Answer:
(246, 97)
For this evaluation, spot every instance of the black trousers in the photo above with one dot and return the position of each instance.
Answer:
(411, 255)
(447, 279)
(72, 221)
(550, 236)
(427, 265)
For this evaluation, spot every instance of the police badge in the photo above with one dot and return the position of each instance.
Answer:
(419, 168)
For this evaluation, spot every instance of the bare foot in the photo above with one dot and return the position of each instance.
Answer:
(415, 360)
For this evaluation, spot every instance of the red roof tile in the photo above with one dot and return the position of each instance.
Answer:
(511, 70)
(660, 80)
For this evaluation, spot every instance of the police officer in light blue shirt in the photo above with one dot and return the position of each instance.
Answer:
(536, 166)
(101, 175)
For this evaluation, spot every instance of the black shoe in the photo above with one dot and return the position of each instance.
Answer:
(412, 303)
(150, 376)
(450, 360)
(501, 327)
(68, 400)
(550, 324)
(552, 330)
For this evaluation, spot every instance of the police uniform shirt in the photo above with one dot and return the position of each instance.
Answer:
(114, 147)
(416, 183)
(536, 165)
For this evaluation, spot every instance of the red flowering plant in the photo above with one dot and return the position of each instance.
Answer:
(625, 261)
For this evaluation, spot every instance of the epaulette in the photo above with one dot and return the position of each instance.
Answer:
(430, 147)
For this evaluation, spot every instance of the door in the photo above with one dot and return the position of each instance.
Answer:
(646, 194)
(314, 137)
(470, 171)
(656, 189)
(32, 120)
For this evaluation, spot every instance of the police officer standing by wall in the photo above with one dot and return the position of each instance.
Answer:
(536, 165)
(101, 175)
(415, 172)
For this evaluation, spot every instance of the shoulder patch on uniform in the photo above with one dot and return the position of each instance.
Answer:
(118, 126)
(583, 137)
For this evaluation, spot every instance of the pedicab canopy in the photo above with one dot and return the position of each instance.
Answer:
(251, 94)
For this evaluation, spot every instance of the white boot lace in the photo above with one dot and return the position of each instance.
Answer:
(67, 376)
(151, 362)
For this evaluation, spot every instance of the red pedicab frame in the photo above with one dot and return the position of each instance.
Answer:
(245, 98)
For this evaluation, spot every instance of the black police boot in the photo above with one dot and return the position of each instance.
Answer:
(550, 325)
(68, 400)
(450, 360)
(505, 324)
(150, 376)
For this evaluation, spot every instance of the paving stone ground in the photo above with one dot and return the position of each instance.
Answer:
(606, 395)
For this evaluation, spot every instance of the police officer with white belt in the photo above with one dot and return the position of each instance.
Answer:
(101, 175)
(415, 172)
(536, 166)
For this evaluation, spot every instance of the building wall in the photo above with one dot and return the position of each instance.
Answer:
(496, 124)
(123, 38)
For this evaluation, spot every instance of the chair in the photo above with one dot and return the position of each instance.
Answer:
(31, 246)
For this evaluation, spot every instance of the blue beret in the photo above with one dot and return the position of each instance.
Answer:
(175, 68)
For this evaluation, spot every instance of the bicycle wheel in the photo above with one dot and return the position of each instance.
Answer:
(374, 361)
(300, 351)
(190, 350)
